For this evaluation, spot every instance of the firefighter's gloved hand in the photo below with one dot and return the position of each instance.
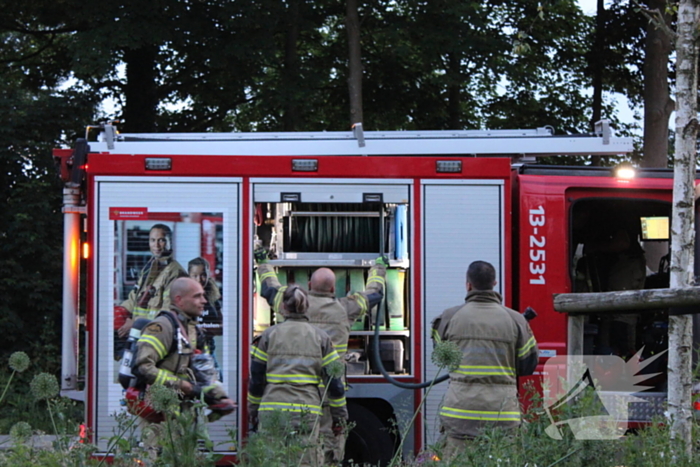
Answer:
(338, 426)
(220, 408)
(383, 260)
(260, 255)
(206, 390)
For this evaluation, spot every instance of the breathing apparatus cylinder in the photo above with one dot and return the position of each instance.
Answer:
(126, 377)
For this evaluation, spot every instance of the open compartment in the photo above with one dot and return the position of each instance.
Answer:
(345, 233)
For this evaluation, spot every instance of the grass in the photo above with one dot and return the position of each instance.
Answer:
(280, 442)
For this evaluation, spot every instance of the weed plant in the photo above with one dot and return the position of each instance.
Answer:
(279, 443)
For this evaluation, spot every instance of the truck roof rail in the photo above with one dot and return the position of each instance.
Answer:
(518, 143)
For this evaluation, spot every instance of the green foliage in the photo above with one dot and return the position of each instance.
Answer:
(44, 386)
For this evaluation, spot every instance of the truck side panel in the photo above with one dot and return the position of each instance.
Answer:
(463, 222)
(178, 204)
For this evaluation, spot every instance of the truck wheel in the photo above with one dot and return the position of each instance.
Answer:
(369, 442)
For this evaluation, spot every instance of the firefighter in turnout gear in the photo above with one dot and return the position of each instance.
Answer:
(333, 315)
(289, 373)
(159, 361)
(151, 294)
(497, 346)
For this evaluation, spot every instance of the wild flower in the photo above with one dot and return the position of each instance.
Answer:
(19, 362)
(44, 386)
(20, 432)
(447, 355)
(163, 399)
(335, 369)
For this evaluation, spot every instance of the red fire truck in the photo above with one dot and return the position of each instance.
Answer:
(431, 201)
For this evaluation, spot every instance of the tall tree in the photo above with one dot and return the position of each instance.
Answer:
(682, 226)
(352, 24)
(658, 104)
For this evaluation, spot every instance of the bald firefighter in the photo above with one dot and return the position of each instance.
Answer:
(333, 315)
(164, 352)
(497, 346)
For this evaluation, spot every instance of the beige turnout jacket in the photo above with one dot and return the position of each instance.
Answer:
(497, 346)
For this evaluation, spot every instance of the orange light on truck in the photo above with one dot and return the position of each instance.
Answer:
(86, 250)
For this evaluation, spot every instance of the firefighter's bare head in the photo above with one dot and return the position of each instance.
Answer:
(198, 269)
(160, 240)
(322, 281)
(295, 300)
(481, 276)
(188, 296)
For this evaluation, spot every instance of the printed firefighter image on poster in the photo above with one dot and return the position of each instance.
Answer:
(154, 248)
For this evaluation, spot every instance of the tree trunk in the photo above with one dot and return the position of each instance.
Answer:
(453, 91)
(140, 110)
(596, 65)
(682, 231)
(658, 104)
(352, 23)
(291, 68)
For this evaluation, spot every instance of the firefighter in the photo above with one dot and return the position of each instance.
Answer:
(288, 363)
(151, 292)
(334, 316)
(497, 346)
(159, 361)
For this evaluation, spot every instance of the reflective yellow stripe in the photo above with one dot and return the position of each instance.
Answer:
(479, 415)
(293, 378)
(481, 370)
(254, 400)
(164, 376)
(337, 402)
(259, 354)
(331, 357)
(278, 297)
(436, 336)
(341, 348)
(527, 347)
(155, 343)
(289, 407)
(268, 275)
(362, 302)
(374, 277)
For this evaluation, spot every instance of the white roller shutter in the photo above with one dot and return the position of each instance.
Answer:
(463, 222)
(162, 195)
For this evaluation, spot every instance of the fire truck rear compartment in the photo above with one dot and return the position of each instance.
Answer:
(347, 238)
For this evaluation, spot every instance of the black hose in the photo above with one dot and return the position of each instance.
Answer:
(529, 315)
(380, 366)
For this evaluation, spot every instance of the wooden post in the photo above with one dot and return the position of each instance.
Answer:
(627, 301)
